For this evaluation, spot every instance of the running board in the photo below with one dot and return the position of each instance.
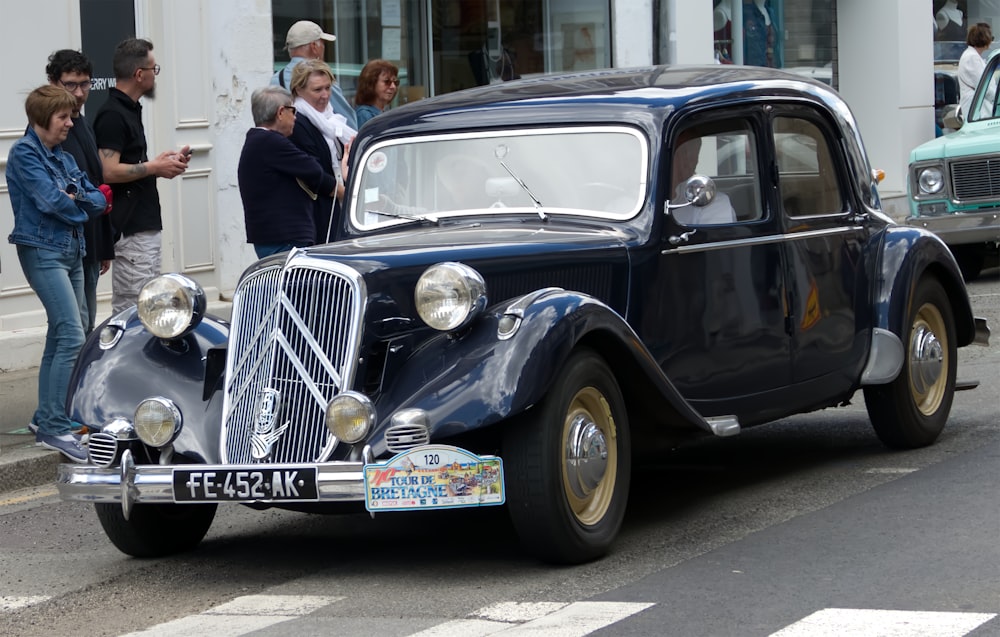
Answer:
(965, 385)
(723, 426)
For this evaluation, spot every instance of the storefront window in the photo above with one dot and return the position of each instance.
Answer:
(797, 36)
(442, 46)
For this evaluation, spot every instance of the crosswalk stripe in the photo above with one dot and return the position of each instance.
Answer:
(542, 618)
(14, 603)
(836, 622)
(240, 616)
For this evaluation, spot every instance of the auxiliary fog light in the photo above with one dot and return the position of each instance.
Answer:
(157, 421)
(350, 416)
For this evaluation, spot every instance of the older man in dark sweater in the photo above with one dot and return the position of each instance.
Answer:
(278, 182)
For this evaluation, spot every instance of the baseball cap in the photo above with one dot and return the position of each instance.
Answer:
(304, 32)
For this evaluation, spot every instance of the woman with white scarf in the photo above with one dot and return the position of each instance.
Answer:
(322, 133)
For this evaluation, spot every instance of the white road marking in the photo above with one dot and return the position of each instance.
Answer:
(14, 603)
(837, 622)
(543, 618)
(240, 616)
(891, 470)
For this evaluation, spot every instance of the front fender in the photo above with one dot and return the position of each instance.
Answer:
(908, 254)
(109, 383)
(478, 379)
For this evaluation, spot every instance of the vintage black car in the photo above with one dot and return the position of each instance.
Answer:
(532, 284)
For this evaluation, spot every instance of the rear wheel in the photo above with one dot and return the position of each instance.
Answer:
(911, 411)
(567, 464)
(156, 530)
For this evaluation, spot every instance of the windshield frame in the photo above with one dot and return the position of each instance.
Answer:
(355, 216)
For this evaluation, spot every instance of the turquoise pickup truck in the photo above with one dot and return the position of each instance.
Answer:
(954, 181)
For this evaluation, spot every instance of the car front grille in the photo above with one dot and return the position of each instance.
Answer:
(974, 179)
(293, 346)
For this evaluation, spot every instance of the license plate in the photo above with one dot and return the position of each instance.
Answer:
(245, 485)
(434, 477)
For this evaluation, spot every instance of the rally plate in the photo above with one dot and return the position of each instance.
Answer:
(245, 485)
(434, 477)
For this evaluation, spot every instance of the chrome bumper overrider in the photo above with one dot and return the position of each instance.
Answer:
(130, 483)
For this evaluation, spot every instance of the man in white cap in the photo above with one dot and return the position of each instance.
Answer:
(307, 41)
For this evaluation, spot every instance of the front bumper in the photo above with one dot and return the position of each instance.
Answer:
(130, 483)
(962, 227)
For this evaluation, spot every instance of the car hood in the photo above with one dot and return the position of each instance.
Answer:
(974, 138)
(542, 241)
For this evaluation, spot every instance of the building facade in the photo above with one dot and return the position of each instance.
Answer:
(214, 54)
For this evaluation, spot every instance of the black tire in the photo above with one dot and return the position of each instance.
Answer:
(156, 530)
(911, 411)
(569, 511)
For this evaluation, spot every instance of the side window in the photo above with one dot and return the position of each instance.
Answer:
(984, 101)
(726, 151)
(807, 177)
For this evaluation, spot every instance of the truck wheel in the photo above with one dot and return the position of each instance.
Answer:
(567, 465)
(911, 411)
(156, 530)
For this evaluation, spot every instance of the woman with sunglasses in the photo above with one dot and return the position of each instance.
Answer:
(377, 86)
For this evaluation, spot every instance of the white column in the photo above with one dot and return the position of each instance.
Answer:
(687, 28)
(632, 39)
(886, 69)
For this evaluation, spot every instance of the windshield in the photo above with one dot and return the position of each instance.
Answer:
(591, 171)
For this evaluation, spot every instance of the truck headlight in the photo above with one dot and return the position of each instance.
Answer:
(157, 421)
(171, 305)
(350, 416)
(930, 180)
(449, 295)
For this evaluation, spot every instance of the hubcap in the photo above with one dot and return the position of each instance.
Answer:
(586, 456)
(590, 456)
(928, 359)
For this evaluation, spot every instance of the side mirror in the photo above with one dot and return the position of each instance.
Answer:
(699, 191)
(951, 118)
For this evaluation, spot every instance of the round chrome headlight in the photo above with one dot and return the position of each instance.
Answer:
(930, 180)
(157, 421)
(350, 416)
(449, 295)
(171, 305)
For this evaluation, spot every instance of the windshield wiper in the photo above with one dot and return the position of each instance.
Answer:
(524, 187)
(400, 215)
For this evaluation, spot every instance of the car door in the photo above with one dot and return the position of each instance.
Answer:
(824, 233)
(721, 335)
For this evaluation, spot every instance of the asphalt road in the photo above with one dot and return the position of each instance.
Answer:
(807, 526)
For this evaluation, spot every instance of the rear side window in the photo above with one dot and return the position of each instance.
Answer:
(807, 177)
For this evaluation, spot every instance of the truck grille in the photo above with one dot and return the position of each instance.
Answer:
(293, 346)
(977, 178)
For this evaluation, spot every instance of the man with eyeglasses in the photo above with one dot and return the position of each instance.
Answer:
(278, 180)
(72, 70)
(136, 214)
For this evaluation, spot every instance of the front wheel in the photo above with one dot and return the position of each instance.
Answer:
(156, 530)
(911, 411)
(567, 464)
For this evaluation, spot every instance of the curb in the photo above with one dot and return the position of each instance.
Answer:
(22, 467)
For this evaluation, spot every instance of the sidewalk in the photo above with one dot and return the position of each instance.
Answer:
(22, 464)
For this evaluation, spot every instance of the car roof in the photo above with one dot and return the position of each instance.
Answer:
(644, 88)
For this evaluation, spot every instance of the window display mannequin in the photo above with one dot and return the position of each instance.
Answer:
(758, 34)
(950, 20)
(722, 18)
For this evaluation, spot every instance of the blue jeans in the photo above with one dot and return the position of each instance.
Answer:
(91, 276)
(57, 279)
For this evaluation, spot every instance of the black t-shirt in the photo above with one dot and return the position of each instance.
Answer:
(97, 231)
(118, 126)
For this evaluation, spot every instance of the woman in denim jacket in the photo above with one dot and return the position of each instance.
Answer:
(51, 198)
